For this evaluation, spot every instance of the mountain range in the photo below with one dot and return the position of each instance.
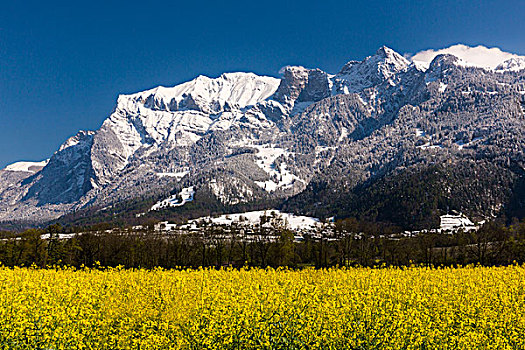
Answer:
(386, 139)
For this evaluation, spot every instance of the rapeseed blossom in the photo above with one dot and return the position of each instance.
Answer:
(353, 308)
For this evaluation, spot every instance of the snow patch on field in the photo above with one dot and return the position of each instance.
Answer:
(264, 217)
(59, 235)
(177, 200)
(456, 222)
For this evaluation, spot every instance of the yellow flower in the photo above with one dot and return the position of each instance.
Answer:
(349, 308)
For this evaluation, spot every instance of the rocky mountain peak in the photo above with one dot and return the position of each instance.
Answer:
(300, 84)
(441, 66)
(386, 61)
(356, 76)
(445, 60)
(389, 54)
(81, 136)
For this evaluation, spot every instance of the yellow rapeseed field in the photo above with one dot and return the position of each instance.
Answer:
(357, 308)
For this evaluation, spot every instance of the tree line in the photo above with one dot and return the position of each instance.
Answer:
(348, 243)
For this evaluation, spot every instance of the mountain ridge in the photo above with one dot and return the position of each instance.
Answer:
(243, 140)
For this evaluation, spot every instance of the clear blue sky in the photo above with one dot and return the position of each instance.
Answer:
(62, 64)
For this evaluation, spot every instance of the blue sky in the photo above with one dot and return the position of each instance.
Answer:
(62, 64)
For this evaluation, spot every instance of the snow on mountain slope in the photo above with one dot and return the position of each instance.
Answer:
(68, 174)
(300, 87)
(29, 167)
(165, 118)
(373, 70)
(177, 200)
(177, 175)
(181, 114)
(280, 176)
(176, 117)
(75, 140)
(208, 95)
(514, 64)
(231, 192)
(264, 139)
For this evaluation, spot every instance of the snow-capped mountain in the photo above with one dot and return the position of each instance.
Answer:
(174, 117)
(356, 76)
(514, 64)
(480, 56)
(27, 167)
(310, 142)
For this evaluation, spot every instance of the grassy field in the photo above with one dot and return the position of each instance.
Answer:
(361, 308)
